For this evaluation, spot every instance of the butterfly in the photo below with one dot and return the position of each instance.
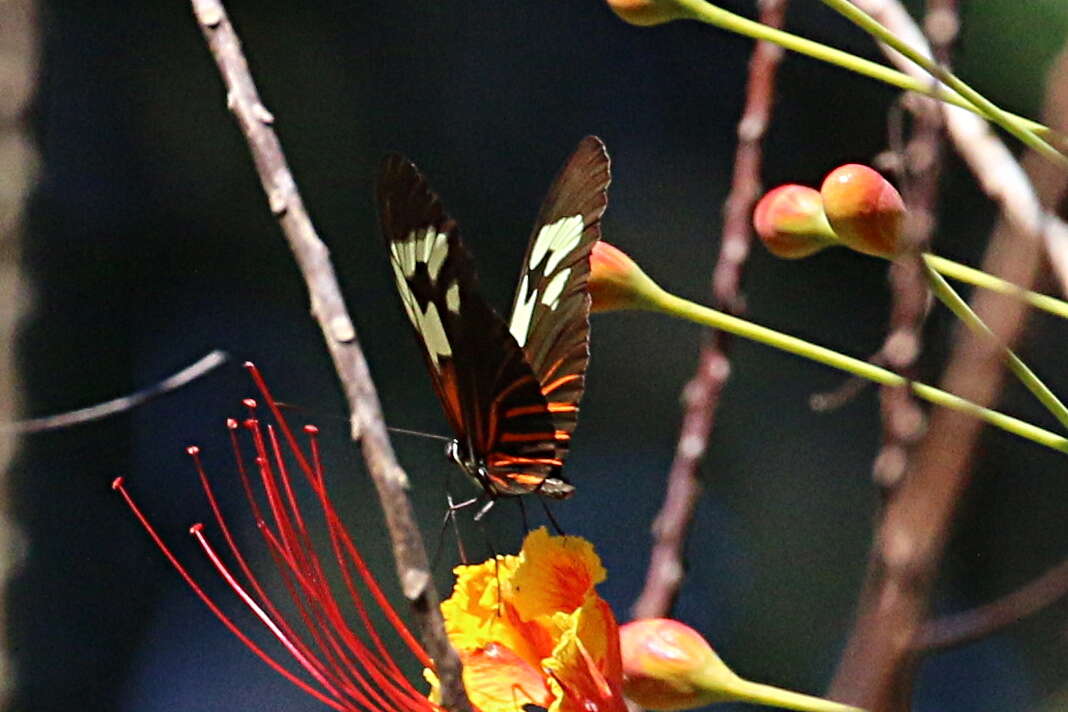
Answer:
(510, 389)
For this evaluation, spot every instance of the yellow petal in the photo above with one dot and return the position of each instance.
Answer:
(555, 574)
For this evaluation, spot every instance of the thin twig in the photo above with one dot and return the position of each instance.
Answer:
(328, 308)
(920, 170)
(960, 628)
(123, 403)
(701, 395)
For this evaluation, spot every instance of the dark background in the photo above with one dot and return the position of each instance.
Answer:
(150, 243)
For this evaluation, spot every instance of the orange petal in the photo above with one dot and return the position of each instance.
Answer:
(554, 575)
(586, 668)
(498, 680)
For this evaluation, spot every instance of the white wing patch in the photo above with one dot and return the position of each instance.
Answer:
(452, 298)
(524, 309)
(553, 290)
(553, 243)
(425, 245)
(558, 239)
(429, 247)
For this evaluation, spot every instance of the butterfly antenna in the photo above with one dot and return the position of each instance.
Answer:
(417, 433)
(552, 519)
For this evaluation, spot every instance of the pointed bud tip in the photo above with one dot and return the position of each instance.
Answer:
(616, 281)
(667, 665)
(864, 209)
(790, 222)
(645, 13)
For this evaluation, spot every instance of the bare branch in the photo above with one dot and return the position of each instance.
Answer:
(701, 395)
(328, 308)
(19, 37)
(960, 628)
(188, 374)
(881, 655)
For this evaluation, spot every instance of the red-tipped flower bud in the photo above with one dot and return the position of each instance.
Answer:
(617, 282)
(791, 223)
(865, 211)
(669, 666)
(646, 12)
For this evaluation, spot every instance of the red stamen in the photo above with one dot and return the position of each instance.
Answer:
(353, 666)
(117, 485)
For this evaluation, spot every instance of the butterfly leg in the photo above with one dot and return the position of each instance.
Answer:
(552, 519)
(523, 515)
(450, 517)
(485, 508)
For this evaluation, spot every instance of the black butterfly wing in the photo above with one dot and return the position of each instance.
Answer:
(551, 312)
(490, 395)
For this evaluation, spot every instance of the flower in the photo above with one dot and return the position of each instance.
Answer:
(865, 211)
(791, 223)
(668, 666)
(345, 663)
(531, 629)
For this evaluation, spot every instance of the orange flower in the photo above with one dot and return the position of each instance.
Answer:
(531, 629)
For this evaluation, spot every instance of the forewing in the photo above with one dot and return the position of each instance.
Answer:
(490, 395)
(550, 315)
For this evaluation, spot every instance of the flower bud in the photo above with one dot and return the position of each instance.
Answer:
(646, 12)
(791, 223)
(617, 282)
(865, 211)
(668, 666)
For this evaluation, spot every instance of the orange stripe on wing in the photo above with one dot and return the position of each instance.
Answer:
(525, 437)
(540, 408)
(497, 460)
(562, 381)
(525, 479)
(534, 437)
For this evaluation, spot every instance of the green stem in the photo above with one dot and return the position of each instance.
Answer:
(710, 14)
(656, 299)
(985, 107)
(758, 693)
(978, 278)
(958, 306)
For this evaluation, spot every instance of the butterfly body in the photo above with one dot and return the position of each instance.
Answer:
(509, 389)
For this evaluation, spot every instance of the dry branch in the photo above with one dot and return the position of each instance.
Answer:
(18, 166)
(328, 308)
(881, 655)
(701, 395)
